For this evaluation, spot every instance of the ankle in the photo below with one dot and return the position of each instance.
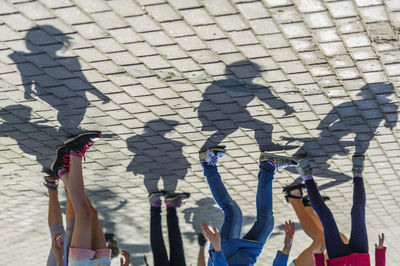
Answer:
(74, 154)
(307, 177)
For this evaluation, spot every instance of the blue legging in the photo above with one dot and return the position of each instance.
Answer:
(232, 226)
(358, 242)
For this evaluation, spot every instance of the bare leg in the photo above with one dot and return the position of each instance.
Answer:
(69, 213)
(55, 215)
(98, 240)
(312, 227)
(81, 237)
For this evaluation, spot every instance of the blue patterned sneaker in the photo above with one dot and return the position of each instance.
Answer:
(280, 162)
(304, 167)
(175, 200)
(358, 165)
(155, 198)
(210, 156)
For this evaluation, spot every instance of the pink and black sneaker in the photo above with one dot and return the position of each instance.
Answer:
(78, 145)
(61, 164)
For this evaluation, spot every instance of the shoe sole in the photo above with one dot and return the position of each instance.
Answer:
(282, 157)
(184, 195)
(69, 140)
(54, 162)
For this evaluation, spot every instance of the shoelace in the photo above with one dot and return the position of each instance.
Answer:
(213, 160)
(66, 161)
(84, 149)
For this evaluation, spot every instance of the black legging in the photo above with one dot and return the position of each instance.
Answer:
(176, 254)
(358, 242)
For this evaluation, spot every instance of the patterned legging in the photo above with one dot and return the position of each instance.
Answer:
(358, 242)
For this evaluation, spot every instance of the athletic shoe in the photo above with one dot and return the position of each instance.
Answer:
(51, 182)
(210, 156)
(81, 143)
(304, 167)
(174, 200)
(155, 198)
(358, 165)
(62, 163)
(280, 162)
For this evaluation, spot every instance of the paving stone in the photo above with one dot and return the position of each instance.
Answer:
(157, 60)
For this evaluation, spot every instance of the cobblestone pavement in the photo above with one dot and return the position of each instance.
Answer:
(160, 78)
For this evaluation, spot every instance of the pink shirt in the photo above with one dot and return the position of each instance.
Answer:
(355, 259)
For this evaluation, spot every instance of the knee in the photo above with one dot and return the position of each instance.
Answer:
(84, 210)
(232, 210)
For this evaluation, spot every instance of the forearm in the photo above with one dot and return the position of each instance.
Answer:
(60, 262)
(201, 260)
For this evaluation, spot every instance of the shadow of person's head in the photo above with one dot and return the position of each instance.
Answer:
(17, 111)
(379, 91)
(161, 126)
(243, 69)
(46, 37)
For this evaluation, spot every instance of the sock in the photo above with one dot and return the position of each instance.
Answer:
(308, 177)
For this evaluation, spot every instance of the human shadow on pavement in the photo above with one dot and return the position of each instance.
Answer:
(206, 211)
(224, 103)
(33, 137)
(361, 117)
(158, 157)
(56, 80)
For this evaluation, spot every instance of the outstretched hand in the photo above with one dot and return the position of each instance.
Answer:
(58, 250)
(212, 235)
(289, 229)
(381, 238)
(127, 258)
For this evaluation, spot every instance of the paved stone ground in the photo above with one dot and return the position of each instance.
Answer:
(153, 75)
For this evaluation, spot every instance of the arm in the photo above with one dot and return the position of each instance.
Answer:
(282, 256)
(127, 258)
(278, 104)
(217, 255)
(201, 260)
(380, 252)
(58, 250)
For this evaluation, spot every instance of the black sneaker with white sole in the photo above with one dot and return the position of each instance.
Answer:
(81, 143)
(61, 164)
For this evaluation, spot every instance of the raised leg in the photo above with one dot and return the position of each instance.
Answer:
(160, 256)
(177, 256)
(334, 244)
(232, 225)
(358, 238)
(264, 224)
(98, 239)
(82, 236)
(54, 221)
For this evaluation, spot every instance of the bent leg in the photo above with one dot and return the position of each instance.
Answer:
(160, 256)
(232, 226)
(55, 222)
(306, 257)
(334, 244)
(176, 253)
(81, 237)
(264, 224)
(358, 238)
(98, 239)
(309, 220)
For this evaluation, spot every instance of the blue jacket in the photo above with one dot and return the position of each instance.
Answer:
(241, 252)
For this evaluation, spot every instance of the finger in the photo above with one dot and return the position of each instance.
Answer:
(383, 237)
(215, 230)
(205, 235)
(122, 261)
